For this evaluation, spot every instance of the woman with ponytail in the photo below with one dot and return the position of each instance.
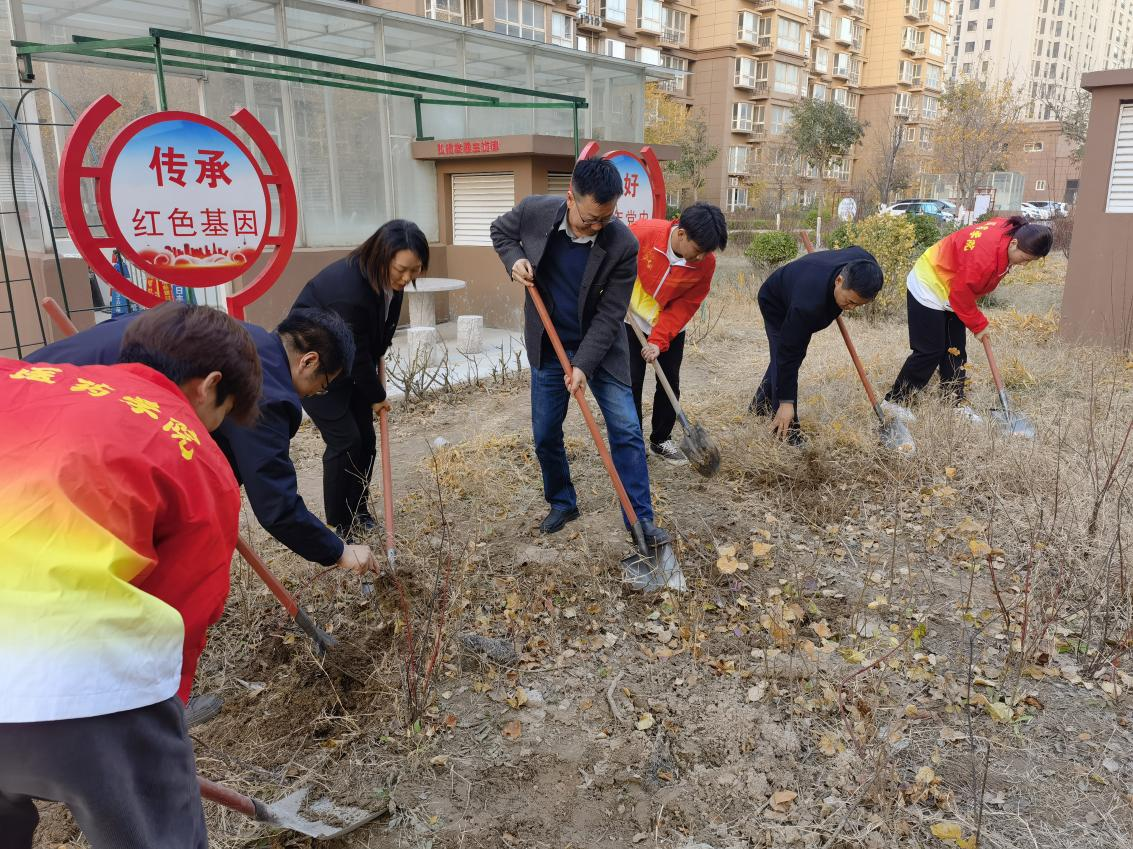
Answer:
(943, 288)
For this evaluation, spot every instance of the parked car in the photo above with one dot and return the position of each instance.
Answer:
(1036, 210)
(935, 208)
(1051, 208)
(947, 204)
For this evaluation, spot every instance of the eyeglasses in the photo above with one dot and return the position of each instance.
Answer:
(325, 389)
(590, 222)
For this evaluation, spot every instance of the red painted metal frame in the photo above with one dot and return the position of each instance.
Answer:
(72, 172)
(649, 162)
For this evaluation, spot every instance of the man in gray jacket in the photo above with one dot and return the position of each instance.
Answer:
(584, 262)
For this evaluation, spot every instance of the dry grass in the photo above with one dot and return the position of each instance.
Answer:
(910, 642)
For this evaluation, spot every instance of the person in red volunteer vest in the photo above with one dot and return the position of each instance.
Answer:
(943, 287)
(675, 264)
(118, 521)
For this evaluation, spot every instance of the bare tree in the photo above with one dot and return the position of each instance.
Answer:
(975, 133)
(890, 166)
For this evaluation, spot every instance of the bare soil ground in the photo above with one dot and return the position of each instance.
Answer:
(873, 651)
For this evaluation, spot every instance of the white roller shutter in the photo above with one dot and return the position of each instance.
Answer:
(477, 201)
(557, 183)
(1120, 196)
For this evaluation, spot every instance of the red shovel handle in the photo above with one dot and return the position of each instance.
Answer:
(995, 375)
(857, 362)
(231, 799)
(62, 323)
(580, 397)
(387, 470)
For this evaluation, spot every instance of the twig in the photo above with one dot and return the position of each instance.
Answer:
(618, 715)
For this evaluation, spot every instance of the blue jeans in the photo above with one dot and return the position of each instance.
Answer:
(549, 403)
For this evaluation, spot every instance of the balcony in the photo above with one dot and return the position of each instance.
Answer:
(929, 115)
(848, 4)
(919, 51)
(674, 38)
(741, 126)
(593, 23)
(901, 111)
(855, 77)
(842, 72)
(923, 17)
(747, 36)
(910, 46)
(757, 132)
(763, 44)
(744, 81)
(914, 10)
(845, 37)
(821, 31)
(761, 89)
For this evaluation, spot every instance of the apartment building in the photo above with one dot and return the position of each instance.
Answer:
(741, 63)
(1043, 47)
(903, 81)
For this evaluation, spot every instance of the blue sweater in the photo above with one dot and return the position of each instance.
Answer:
(560, 275)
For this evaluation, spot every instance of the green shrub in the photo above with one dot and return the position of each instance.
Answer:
(927, 230)
(892, 239)
(771, 249)
(810, 219)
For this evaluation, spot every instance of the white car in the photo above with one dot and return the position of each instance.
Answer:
(935, 208)
(1036, 210)
(1051, 208)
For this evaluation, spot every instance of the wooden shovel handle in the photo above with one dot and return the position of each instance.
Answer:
(664, 381)
(857, 362)
(580, 397)
(387, 470)
(62, 323)
(229, 798)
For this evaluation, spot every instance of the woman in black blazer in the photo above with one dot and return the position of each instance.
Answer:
(365, 289)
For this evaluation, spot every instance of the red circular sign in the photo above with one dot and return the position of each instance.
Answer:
(184, 199)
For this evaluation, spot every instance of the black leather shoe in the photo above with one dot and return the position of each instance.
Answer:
(760, 406)
(556, 520)
(654, 535)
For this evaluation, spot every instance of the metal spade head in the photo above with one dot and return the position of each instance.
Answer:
(339, 819)
(895, 436)
(702, 453)
(1014, 423)
(660, 570)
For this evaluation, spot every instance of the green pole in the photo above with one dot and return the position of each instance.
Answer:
(160, 67)
(574, 115)
(420, 120)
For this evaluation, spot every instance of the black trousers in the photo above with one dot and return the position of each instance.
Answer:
(766, 400)
(346, 422)
(939, 342)
(128, 778)
(664, 416)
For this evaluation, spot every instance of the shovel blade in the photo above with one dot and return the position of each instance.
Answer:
(658, 571)
(896, 437)
(1014, 423)
(336, 820)
(702, 453)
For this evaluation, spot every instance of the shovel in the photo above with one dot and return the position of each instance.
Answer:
(1010, 421)
(697, 445)
(387, 489)
(650, 568)
(319, 637)
(339, 819)
(894, 433)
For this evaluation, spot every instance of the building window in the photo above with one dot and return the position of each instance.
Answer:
(562, 30)
(842, 64)
(825, 22)
(933, 75)
(845, 30)
(737, 198)
(990, 21)
(780, 118)
(587, 44)
(972, 26)
(743, 115)
(650, 16)
(1040, 185)
(745, 72)
(615, 48)
(936, 44)
(737, 159)
(676, 27)
(819, 92)
(474, 13)
(521, 18)
(987, 44)
(901, 104)
(748, 29)
(614, 11)
(930, 107)
(790, 36)
(910, 134)
(787, 78)
(969, 47)
(674, 63)
(1032, 147)
(649, 55)
(973, 4)
(449, 11)
(822, 60)
(841, 97)
(940, 11)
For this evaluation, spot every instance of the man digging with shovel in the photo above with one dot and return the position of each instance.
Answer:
(582, 261)
(798, 300)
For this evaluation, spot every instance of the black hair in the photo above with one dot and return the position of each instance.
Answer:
(596, 178)
(705, 225)
(1034, 239)
(323, 332)
(184, 341)
(376, 253)
(864, 276)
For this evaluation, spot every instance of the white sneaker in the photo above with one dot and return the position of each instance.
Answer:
(896, 411)
(964, 411)
(669, 452)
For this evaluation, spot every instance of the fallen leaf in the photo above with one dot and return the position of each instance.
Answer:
(979, 548)
(950, 471)
(781, 800)
(760, 549)
(512, 730)
(519, 699)
(827, 746)
(821, 629)
(439, 760)
(645, 722)
(925, 775)
(450, 721)
(1000, 712)
(951, 735)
